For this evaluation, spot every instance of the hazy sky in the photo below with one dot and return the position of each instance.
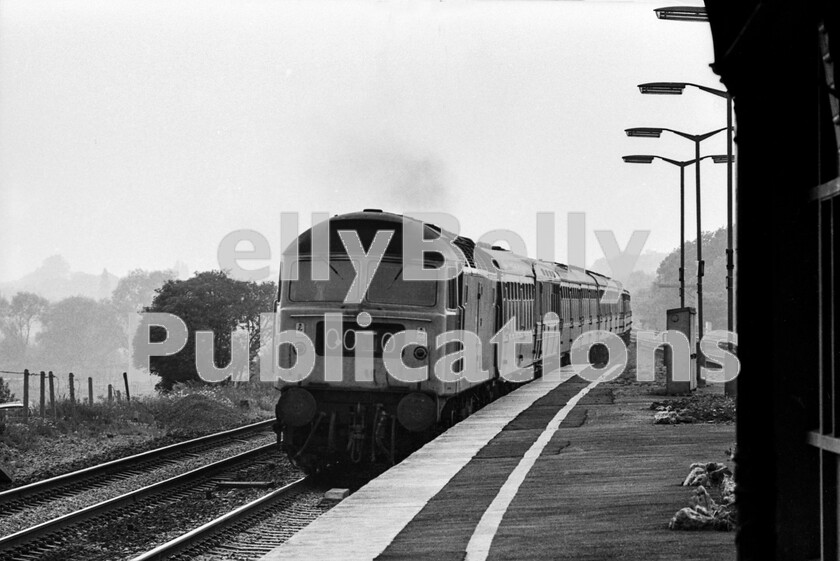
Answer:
(134, 134)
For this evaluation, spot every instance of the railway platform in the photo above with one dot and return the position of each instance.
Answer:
(561, 468)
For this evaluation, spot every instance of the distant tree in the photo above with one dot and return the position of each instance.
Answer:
(54, 266)
(80, 334)
(136, 290)
(4, 311)
(105, 287)
(6, 394)
(18, 318)
(638, 280)
(209, 301)
(649, 305)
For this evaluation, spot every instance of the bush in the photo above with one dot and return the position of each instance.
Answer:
(194, 413)
(197, 409)
(6, 394)
(187, 412)
(25, 437)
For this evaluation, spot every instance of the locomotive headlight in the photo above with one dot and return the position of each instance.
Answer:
(420, 353)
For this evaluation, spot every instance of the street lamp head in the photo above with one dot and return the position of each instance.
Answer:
(644, 132)
(723, 158)
(676, 88)
(682, 13)
(638, 159)
(662, 88)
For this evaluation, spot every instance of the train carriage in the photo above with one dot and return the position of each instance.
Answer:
(437, 335)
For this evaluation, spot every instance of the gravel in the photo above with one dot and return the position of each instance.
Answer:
(42, 513)
(127, 537)
(271, 531)
(73, 452)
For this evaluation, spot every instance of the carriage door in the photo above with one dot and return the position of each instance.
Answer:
(472, 296)
(486, 307)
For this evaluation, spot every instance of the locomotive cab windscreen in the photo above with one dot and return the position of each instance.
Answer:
(389, 284)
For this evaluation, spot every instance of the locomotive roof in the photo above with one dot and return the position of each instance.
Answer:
(477, 256)
(509, 262)
(578, 274)
(357, 219)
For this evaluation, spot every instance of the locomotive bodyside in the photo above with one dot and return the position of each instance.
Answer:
(352, 407)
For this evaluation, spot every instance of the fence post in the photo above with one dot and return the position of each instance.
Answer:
(90, 390)
(127, 394)
(72, 396)
(110, 393)
(43, 389)
(52, 395)
(26, 395)
(119, 395)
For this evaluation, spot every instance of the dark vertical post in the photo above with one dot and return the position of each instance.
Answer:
(682, 236)
(731, 387)
(110, 393)
(700, 380)
(52, 394)
(127, 393)
(777, 473)
(43, 389)
(26, 395)
(90, 390)
(72, 390)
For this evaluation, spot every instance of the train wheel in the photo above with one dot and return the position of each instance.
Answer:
(467, 409)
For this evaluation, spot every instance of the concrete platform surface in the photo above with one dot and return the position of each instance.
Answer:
(562, 468)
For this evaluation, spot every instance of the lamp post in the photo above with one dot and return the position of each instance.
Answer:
(648, 159)
(676, 88)
(655, 132)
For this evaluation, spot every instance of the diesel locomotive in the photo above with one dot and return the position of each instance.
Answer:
(387, 373)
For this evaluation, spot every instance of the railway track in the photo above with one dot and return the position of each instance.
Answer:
(49, 538)
(252, 530)
(249, 531)
(67, 485)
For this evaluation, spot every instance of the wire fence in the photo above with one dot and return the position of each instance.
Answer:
(38, 393)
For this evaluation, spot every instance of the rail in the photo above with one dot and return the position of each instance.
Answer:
(50, 531)
(220, 524)
(50, 485)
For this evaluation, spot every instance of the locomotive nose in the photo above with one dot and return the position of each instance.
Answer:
(296, 407)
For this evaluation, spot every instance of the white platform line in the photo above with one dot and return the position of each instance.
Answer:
(365, 523)
(479, 545)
